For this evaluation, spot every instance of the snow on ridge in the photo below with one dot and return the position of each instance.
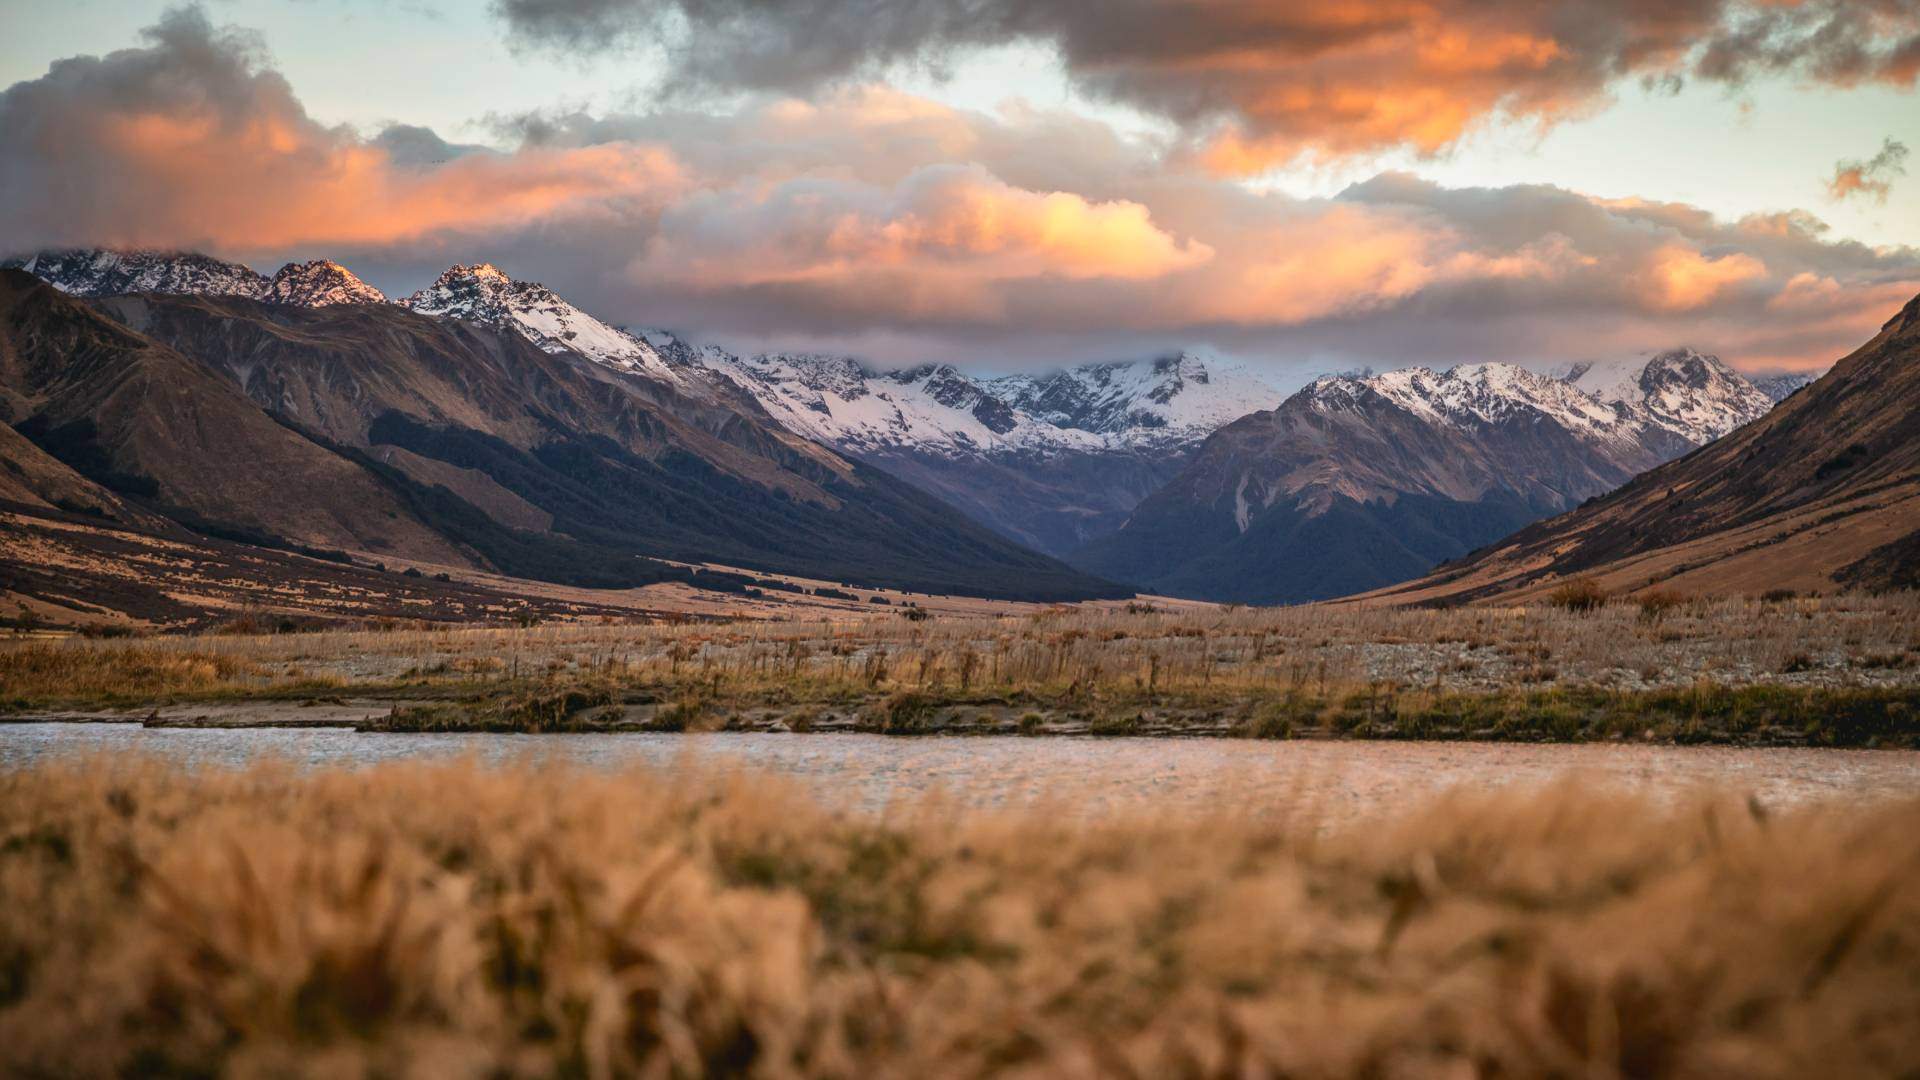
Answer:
(104, 272)
(1681, 392)
(320, 283)
(483, 293)
(1169, 402)
(1692, 394)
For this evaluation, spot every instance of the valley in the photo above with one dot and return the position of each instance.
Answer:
(667, 539)
(1185, 475)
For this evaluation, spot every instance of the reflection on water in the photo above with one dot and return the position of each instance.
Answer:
(1094, 776)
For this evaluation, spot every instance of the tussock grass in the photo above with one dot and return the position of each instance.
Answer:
(115, 673)
(447, 919)
(1660, 641)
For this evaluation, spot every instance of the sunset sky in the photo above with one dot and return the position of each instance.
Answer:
(1009, 183)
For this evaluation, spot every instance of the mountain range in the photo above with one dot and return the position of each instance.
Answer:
(1050, 460)
(1822, 493)
(1187, 474)
(371, 427)
(1358, 482)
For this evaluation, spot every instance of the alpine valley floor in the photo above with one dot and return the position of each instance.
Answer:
(1787, 671)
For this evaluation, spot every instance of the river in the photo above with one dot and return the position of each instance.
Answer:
(1333, 780)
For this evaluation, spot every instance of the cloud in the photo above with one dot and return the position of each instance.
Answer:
(1872, 177)
(950, 221)
(1251, 85)
(870, 220)
(193, 139)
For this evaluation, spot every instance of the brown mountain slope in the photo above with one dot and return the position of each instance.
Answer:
(1821, 493)
(138, 418)
(33, 477)
(336, 370)
(372, 428)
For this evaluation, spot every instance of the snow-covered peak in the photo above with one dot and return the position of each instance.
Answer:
(1170, 399)
(1689, 393)
(1470, 395)
(483, 294)
(100, 272)
(320, 283)
(1779, 388)
(1171, 402)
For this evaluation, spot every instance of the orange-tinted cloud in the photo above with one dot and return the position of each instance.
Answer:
(193, 140)
(1871, 178)
(870, 216)
(1255, 83)
(1680, 278)
(958, 222)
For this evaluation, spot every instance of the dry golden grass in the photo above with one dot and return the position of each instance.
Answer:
(1321, 650)
(449, 920)
(121, 672)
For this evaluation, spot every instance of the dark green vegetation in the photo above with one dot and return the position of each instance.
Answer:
(370, 428)
(1748, 716)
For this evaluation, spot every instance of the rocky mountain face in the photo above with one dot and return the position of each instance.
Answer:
(97, 272)
(1354, 483)
(375, 428)
(1050, 460)
(1780, 387)
(320, 283)
(1821, 493)
(1694, 396)
(157, 430)
(483, 294)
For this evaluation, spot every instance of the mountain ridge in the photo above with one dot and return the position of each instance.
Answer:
(1821, 493)
(342, 426)
(1356, 482)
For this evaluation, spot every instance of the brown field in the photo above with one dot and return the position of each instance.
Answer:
(1782, 671)
(450, 920)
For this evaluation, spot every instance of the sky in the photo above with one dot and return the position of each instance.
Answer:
(1008, 184)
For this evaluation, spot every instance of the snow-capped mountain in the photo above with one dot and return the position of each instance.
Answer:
(99, 272)
(1779, 388)
(483, 294)
(1168, 403)
(1358, 482)
(1692, 395)
(1051, 460)
(320, 283)
(1058, 459)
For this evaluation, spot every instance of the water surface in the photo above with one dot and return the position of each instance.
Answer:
(1093, 776)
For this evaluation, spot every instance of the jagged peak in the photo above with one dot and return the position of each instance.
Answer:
(482, 273)
(320, 283)
(109, 271)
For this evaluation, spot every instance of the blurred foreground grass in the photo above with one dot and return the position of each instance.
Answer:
(449, 919)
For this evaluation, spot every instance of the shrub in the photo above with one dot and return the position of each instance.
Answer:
(1657, 604)
(1581, 594)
